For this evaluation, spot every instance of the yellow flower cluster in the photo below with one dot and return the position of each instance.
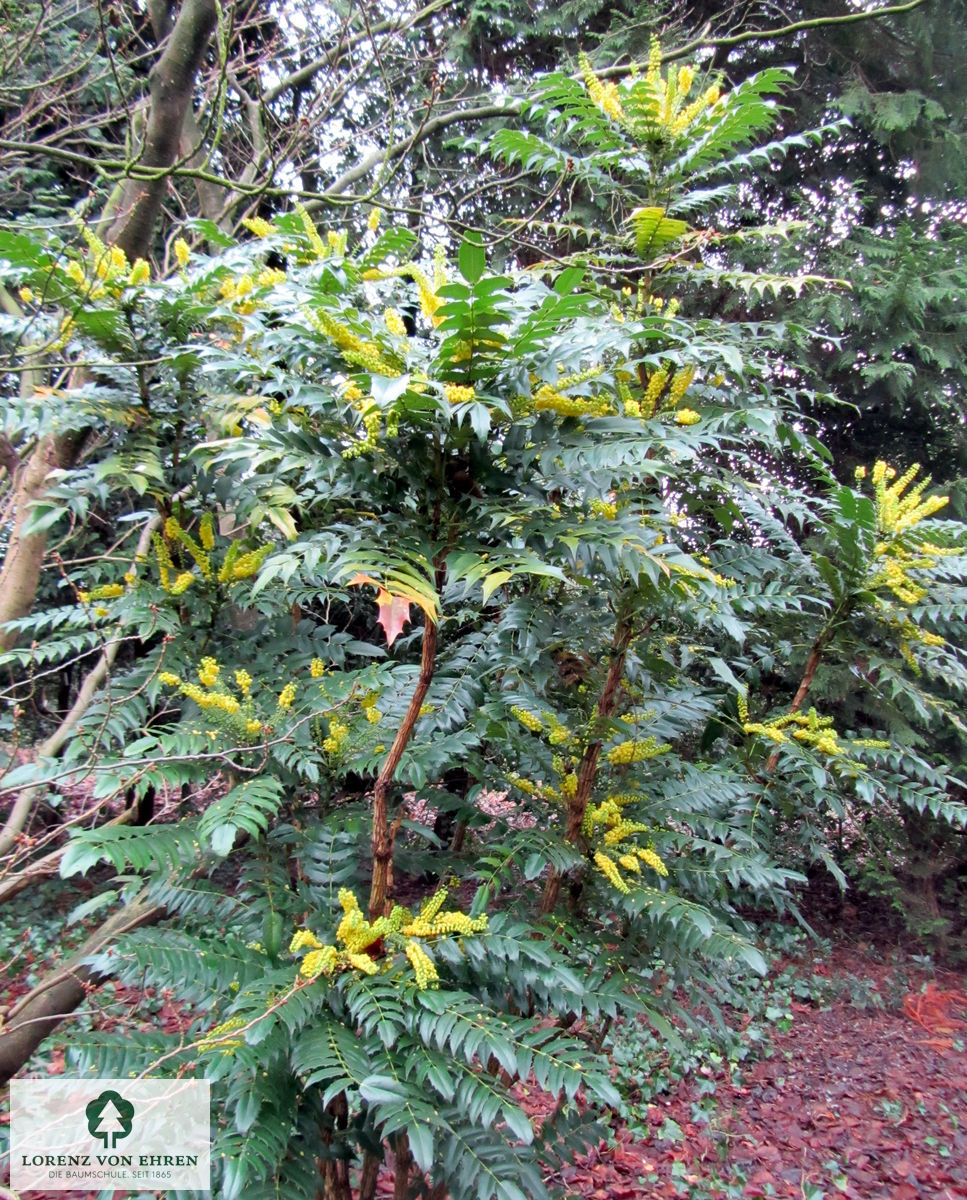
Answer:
(655, 106)
(215, 1038)
(457, 393)
(204, 699)
(208, 670)
(354, 349)
(174, 533)
(809, 728)
(424, 971)
(241, 723)
(896, 513)
(528, 719)
(551, 396)
(109, 271)
(609, 868)
(604, 508)
(270, 277)
(338, 732)
(687, 416)
(617, 835)
(286, 696)
(373, 220)
(317, 668)
(258, 226)
(399, 930)
(394, 322)
(604, 95)
(656, 385)
(319, 247)
(636, 751)
(681, 382)
(429, 301)
(372, 425)
(558, 733)
(182, 252)
(239, 565)
(321, 962)
(106, 591)
(206, 531)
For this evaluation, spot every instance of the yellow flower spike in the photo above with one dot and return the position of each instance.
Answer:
(312, 234)
(317, 668)
(182, 252)
(182, 583)
(527, 719)
(243, 681)
(140, 273)
(651, 859)
(430, 908)
(687, 416)
(206, 531)
(215, 1038)
(458, 394)
(362, 962)
(258, 226)
(373, 220)
(394, 322)
(609, 868)
(208, 670)
(680, 384)
(270, 277)
(422, 964)
(286, 696)
(304, 939)
(319, 962)
(636, 751)
(656, 385)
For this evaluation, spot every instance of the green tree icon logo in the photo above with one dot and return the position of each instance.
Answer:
(109, 1117)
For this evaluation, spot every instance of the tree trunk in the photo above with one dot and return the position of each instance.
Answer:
(25, 1025)
(20, 573)
(172, 84)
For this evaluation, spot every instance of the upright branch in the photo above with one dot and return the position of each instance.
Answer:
(383, 834)
(588, 767)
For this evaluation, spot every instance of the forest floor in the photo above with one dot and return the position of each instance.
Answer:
(842, 1075)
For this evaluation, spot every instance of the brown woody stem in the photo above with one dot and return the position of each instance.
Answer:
(404, 1166)
(383, 835)
(809, 673)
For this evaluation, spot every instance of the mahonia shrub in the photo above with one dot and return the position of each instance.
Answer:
(405, 531)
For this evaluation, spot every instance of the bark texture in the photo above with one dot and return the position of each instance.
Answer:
(172, 84)
(22, 563)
